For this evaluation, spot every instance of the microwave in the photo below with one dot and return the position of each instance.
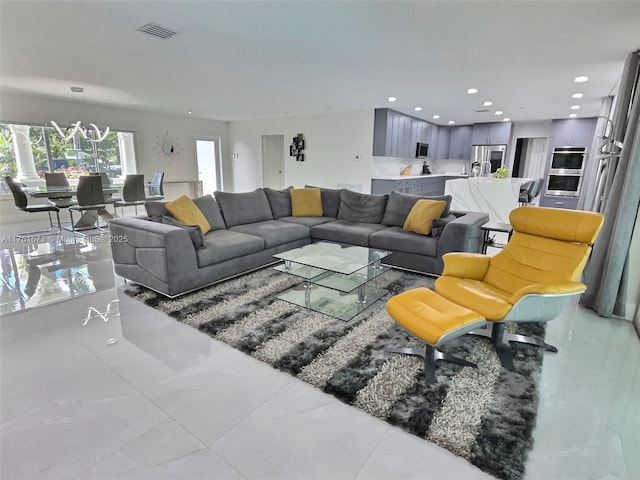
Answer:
(568, 159)
(422, 150)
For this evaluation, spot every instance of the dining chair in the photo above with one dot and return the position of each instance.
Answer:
(109, 199)
(22, 203)
(156, 188)
(133, 193)
(59, 180)
(90, 202)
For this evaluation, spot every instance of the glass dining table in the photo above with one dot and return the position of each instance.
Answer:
(89, 218)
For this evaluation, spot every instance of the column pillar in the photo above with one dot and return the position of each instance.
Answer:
(24, 156)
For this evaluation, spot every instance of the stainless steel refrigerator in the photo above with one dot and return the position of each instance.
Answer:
(487, 158)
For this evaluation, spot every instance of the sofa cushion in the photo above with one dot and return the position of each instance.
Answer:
(195, 234)
(361, 207)
(330, 200)
(243, 208)
(343, 231)
(224, 245)
(307, 221)
(210, 209)
(187, 212)
(280, 201)
(400, 204)
(156, 210)
(423, 213)
(398, 240)
(274, 232)
(306, 202)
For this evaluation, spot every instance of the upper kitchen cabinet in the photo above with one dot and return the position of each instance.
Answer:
(444, 137)
(460, 142)
(573, 132)
(497, 133)
(397, 135)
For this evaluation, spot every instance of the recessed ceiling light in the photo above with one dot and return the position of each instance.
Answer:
(498, 112)
(472, 91)
(417, 109)
(581, 79)
(392, 99)
(575, 107)
(487, 104)
(436, 116)
(573, 115)
(577, 95)
(189, 113)
(506, 119)
(451, 122)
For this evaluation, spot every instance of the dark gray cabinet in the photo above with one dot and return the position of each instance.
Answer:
(397, 135)
(555, 201)
(444, 137)
(496, 133)
(573, 132)
(424, 186)
(460, 142)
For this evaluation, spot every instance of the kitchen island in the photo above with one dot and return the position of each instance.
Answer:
(432, 184)
(494, 196)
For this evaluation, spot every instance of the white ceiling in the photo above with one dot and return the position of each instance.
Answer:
(240, 60)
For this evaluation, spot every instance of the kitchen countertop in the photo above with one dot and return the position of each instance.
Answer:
(407, 177)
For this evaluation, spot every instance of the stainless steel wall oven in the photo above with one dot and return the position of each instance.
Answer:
(566, 171)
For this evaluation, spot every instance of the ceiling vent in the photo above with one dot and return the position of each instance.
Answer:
(483, 110)
(157, 30)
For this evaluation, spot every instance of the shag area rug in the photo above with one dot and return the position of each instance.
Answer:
(485, 415)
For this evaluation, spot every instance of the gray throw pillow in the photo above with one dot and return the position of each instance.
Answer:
(243, 208)
(193, 230)
(400, 204)
(156, 210)
(280, 201)
(330, 198)
(361, 207)
(210, 209)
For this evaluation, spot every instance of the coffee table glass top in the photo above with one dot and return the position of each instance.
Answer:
(333, 257)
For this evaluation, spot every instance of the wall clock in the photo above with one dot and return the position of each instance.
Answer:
(168, 146)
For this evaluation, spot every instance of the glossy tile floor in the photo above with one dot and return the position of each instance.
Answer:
(137, 395)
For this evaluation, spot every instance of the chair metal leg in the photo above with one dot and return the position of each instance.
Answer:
(431, 355)
(501, 341)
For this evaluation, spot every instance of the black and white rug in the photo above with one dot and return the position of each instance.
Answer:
(485, 415)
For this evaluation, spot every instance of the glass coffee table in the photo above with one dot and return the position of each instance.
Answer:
(335, 278)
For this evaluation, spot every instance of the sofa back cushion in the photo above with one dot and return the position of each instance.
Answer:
(400, 204)
(243, 208)
(361, 207)
(280, 201)
(330, 200)
(211, 210)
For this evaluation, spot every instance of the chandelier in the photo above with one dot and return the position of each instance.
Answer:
(91, 133)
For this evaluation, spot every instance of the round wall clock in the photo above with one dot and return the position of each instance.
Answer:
(168, 146)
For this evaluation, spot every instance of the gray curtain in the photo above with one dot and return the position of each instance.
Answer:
(608, 268)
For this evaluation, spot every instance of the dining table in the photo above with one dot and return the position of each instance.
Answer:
(89, 218)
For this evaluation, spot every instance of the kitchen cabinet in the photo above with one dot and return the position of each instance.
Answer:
(496, 133)
(444, 137)
(556, 201)
(433, 141)
(460, 142)
(396, 134)
(573, 132)
(423, 186)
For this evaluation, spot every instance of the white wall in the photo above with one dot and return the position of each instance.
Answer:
(149, 130)
(332, 142)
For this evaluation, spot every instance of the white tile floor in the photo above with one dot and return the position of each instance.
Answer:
(167, 402)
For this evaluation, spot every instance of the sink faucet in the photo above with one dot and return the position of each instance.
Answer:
(486, 163)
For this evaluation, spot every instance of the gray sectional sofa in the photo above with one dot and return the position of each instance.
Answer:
(247, 229)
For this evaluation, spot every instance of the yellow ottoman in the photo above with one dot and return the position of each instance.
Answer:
(435, 320)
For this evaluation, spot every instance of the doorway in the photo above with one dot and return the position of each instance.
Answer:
(273, 161)
(209, 168)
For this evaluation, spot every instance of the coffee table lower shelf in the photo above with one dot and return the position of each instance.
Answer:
(331, 302)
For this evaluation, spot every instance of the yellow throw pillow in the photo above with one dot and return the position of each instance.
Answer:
(306, 202)
(422, 214)
(184, 210)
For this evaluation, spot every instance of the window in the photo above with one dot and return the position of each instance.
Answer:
(50, 153)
